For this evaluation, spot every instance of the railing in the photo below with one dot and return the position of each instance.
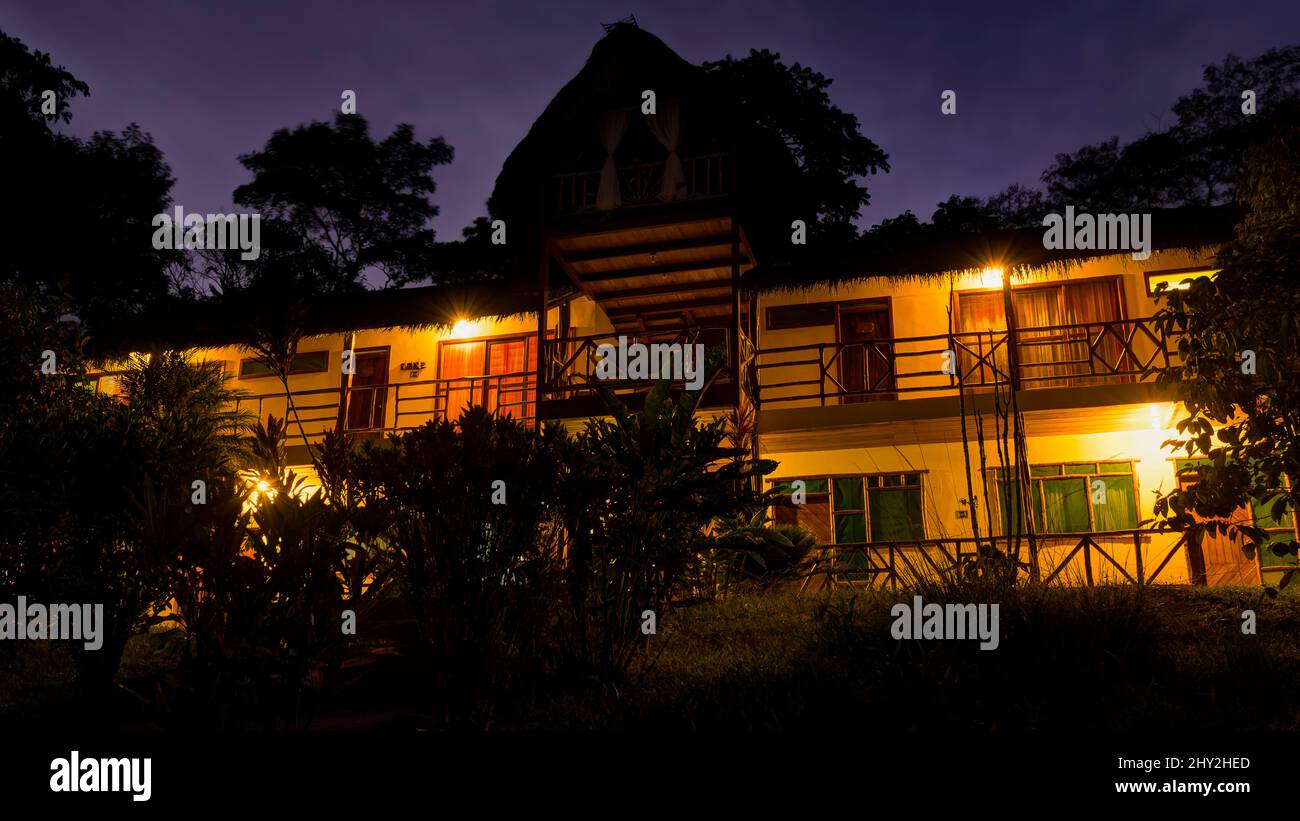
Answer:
(396, 406)
(1126, 350)
(1059, 557)
(706, 176)
(571, 364)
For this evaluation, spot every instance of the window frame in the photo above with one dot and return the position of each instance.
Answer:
(833, 512)
(245, 361)
(994, 475)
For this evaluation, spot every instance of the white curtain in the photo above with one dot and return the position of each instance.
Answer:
(612, 124)
(666, 125)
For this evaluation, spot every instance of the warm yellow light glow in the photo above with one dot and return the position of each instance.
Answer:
(462, 329)
(991, 278)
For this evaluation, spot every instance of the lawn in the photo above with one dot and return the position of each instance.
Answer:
(1069, 659)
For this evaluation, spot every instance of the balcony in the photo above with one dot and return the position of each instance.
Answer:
(708, 176)
(394, 407)
(570, 379)
(839, 373)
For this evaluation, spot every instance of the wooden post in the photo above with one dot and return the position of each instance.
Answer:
(1137, 552)
(734, 353)
(1019, 451)
(543, 284)
(345, 379)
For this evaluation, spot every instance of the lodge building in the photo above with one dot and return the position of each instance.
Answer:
(880, 377)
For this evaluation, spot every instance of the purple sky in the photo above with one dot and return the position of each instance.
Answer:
(213, 80)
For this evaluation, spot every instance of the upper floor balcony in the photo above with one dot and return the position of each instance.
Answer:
(705, 177)
(1112, 352)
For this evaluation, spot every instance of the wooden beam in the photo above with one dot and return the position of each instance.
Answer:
(672, 308)
(675, 268)
(708, 241)
(660, 290)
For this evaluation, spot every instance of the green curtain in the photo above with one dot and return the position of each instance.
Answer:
(1120, 509)
(1066, 505)
(896, 515)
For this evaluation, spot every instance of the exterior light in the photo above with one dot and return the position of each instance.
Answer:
(462, 329)
(991, 278)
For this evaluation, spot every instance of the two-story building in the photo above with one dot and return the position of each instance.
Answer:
(921, 399)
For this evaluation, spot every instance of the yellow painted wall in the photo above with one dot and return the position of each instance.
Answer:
(1137, 439)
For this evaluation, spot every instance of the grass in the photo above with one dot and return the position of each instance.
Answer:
(1070, 659)
(1101, 659)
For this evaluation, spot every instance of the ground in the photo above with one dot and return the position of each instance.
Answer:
(1070, 659)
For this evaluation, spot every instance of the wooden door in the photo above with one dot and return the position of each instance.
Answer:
(866, 357)
(1218, 559)
(368, 399)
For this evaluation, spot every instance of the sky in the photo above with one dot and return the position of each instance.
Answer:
(212, 80)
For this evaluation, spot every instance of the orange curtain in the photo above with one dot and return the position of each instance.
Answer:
(458, 360)
(1040, 351)
(1096, 302)
(977, 314)
(509, 360)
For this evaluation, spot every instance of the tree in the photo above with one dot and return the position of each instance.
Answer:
(339, 205)
(1193, 162)
(77, 213)
(1240, 352)
(791, 104)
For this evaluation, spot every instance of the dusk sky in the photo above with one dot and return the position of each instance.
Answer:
(212, 80)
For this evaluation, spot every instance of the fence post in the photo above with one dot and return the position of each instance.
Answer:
(1137, 552)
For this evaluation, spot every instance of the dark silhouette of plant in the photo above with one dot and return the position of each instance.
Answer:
(1239, 354)
(640, 489)
(475, 553)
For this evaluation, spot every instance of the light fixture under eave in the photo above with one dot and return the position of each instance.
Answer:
(462, 329)
(991, 277)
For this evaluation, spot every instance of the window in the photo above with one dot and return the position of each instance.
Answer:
(309, 362)
(883, 507)
(800, 316)
(1053, 342)
(1072, 497)
(498, 373)
(1177, 279)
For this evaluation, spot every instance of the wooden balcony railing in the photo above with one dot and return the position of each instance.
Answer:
(1117, 351)
(396, 406)
(873, 564)
(707, 176)
(571, 364)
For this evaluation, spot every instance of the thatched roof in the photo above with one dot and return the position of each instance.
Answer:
(931, 253)
(239, 317)
(623, 64)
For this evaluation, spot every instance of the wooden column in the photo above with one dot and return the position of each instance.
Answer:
(345, 379)
(543, 286)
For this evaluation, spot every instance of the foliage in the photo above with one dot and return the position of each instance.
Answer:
(342, 204)
(478, 573)
(105, 189)
(790, 103)
(1195, 161)
(640, 490)
(1240, 351)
